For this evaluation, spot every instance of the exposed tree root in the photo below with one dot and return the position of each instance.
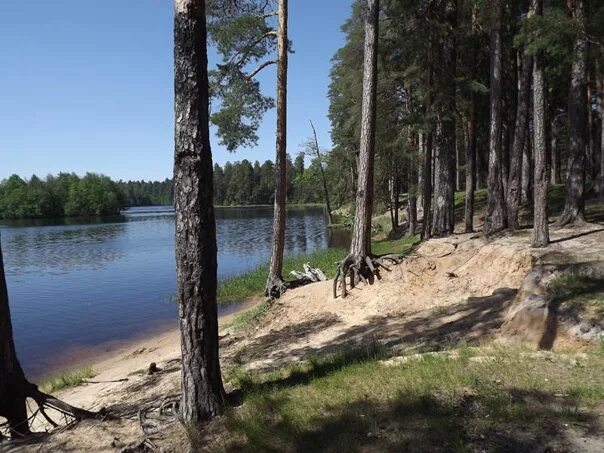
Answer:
(361, 268)
(275, 288)
(65, 415)
(278, 286)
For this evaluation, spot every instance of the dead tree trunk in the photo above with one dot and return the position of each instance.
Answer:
(577, 114)
(202, 391)
(470, 169)
(275, 285)
(514, 183)
(540, 222)
(495, 218)
(325, 191)
(359, 264)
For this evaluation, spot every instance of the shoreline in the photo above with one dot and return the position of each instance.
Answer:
(163, 341)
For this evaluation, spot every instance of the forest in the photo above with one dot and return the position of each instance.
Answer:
(235, 184)
(395, 346)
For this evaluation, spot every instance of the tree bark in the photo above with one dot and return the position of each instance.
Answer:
(202, 391)
(412, 203)
(526, 169)
(514, 183)
(361, 237)
(359, 263)
(601, 84)
(470, 169)
(443, 222)
(323, 179)
(575, 182)
(555, 158)
(13, 385)
(540, 222)
(427, 190)
(274, 284)
(495, 219)
(420, 172)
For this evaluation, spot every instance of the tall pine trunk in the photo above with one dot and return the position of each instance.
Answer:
(514, 183)
(527, 175)
(427, 187)
(13, 385)
(470, 168)
(202, 391)
(601, 85)
(540, 222)
(443, 221)
(274, 283)
(495, 218)
(577, 115)
(555, 157)
(360, 246)
(412, 203)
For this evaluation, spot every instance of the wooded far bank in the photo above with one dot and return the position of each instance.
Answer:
(240, 183)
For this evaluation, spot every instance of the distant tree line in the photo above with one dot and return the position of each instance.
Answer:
(63, 195)
(67, 195)
(148, 193)
(244, 183)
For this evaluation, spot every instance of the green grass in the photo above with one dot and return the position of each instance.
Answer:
(243, 319)
(349, 401)
(66, 379)
(252, 283)
(579, 295)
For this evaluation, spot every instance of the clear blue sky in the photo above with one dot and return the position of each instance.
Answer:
(87, 85)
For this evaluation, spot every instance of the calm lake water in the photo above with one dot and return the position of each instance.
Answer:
(78, 284)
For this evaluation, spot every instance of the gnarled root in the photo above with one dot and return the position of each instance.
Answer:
(275, 287)
(47, 408)
(361, 268)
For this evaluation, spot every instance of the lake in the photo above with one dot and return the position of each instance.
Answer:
(80, 285)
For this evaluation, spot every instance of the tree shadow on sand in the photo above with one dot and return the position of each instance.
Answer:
(476, 319)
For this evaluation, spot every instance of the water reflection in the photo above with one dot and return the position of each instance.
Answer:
(74, 284)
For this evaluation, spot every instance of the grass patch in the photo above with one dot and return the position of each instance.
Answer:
(66, 379)
(579, 295)
(349, 401)
(249, 316)
(252, 283)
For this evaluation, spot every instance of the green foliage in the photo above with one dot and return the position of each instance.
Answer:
(242, 34)
(58, 196)
(241, 183)
(148, 193)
